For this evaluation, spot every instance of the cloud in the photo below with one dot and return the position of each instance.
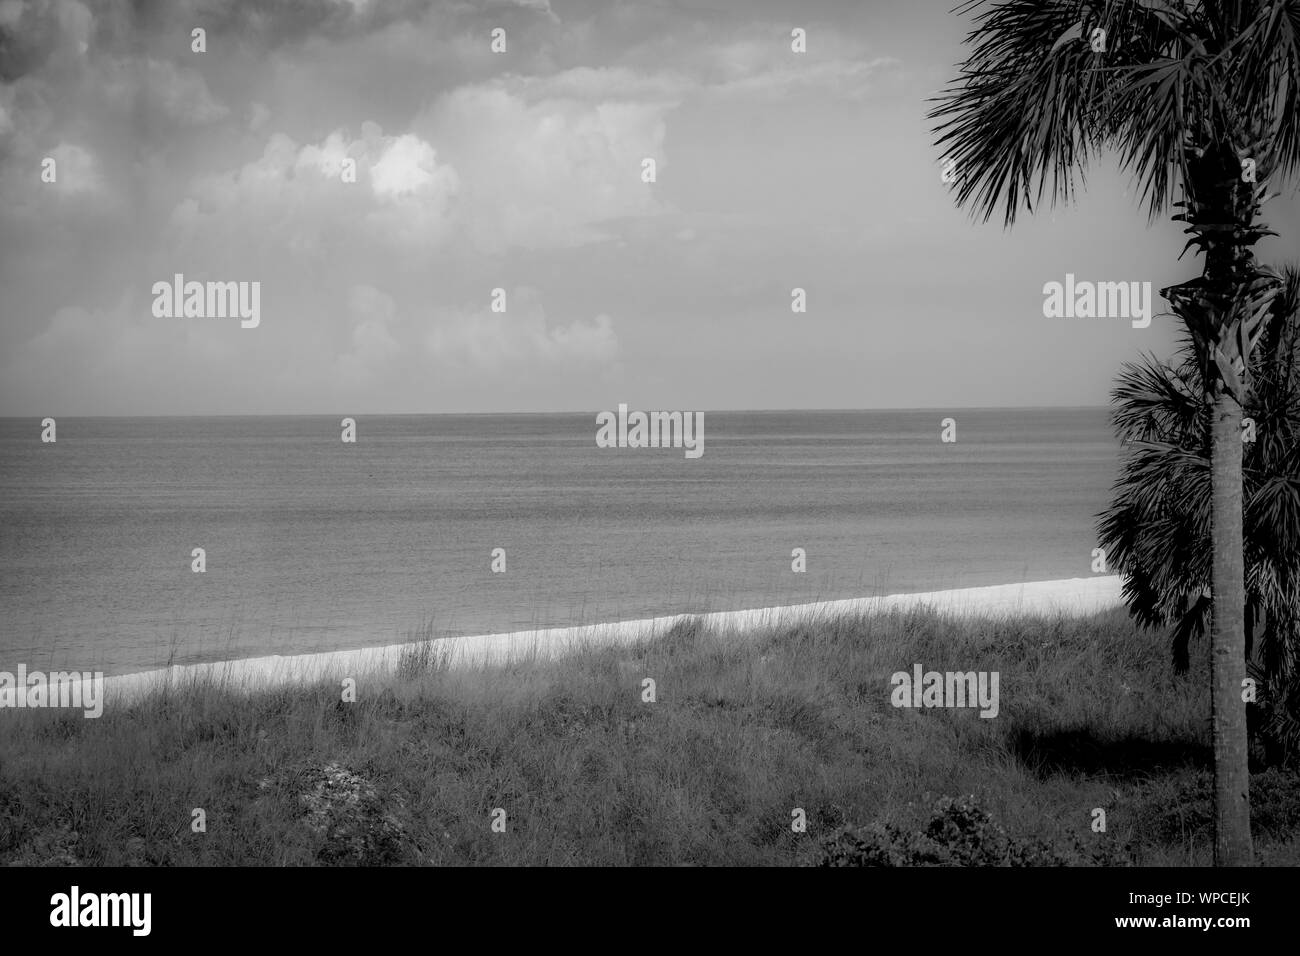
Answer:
(296, 196)
(114, 360)
(271, 24)
(42, 34)
(508, 163)
(372, 344)
(258, 116)
(474, 170)
(599, 84)
(161, 89)
(405, 168)
(520, 336)
(76, 170)
(540, 6)
(756, 61)
(580, 341)
(544, 167)
(849, 79)
(414, 191)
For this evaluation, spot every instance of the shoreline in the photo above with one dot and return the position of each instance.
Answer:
(1070, 596)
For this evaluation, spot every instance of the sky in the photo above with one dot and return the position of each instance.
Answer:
(523, 171)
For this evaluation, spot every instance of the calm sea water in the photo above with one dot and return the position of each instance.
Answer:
(313, 544)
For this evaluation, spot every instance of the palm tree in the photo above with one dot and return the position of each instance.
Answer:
(1200, 101)
(1157, 529)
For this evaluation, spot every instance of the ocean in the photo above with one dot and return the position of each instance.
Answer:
(313, 544)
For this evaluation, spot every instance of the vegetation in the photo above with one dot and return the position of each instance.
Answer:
(1200, 101)
(1157, 530)
(745, 729)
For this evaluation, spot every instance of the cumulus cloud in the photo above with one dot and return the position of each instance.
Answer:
(372, 345)
(162, 89)
(76, 170)
(413, 190)
(113, 360)
(756, 61)
(494, 341)
(540, 6)
(476, 170)
(501, 164)
(544, 170)
(294, 195)
(407, 166)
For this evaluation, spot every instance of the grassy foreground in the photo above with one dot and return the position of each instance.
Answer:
(744, 729)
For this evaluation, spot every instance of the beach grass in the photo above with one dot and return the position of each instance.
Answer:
(748, 733)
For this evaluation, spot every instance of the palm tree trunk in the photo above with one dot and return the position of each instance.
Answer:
(1232, 842)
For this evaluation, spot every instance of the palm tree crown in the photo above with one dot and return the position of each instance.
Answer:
(1199, 100)
(1157, 530)
(1042, 91)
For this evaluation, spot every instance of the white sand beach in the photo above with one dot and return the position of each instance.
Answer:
(1071, 596)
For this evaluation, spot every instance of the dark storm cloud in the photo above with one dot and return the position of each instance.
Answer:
(28, 41)
(275, 23)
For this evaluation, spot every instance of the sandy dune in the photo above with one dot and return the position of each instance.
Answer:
(1072, 596)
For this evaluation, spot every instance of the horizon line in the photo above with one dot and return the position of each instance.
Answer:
(711, 411)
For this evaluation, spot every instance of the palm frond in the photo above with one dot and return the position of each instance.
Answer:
(1034, 101)
(1157, 530)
